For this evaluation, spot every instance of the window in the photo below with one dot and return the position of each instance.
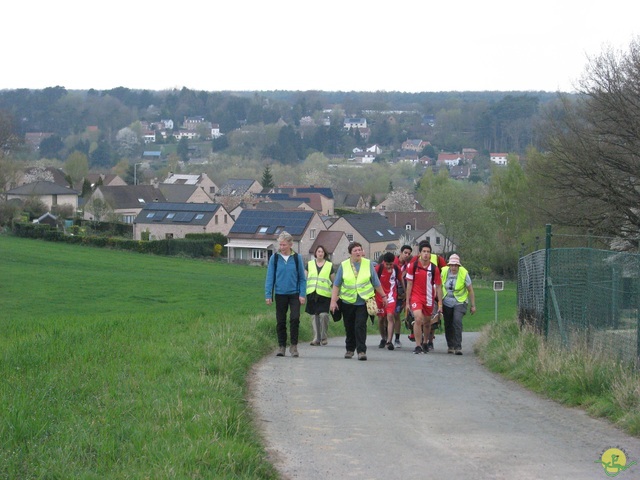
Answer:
(170, 215)
(391, 231)
(428, 239)
(225, 219)
(258, 254)
(263, 229)
(200, 216)
(350, 237)
(216, 218)
(379, 233)
(150, 215)
(168, 236)
(312, 233)
(278, 230)
(437, 240)
(128, 218)
(141, 200)
(407, 226)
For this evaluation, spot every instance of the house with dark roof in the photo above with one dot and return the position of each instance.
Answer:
(419, 221)
(319, 198)
(174, 220)
(254, 235)
(372, 230)
(49, 193)
(352, 201)
(125, 201)
(108, 179)
(183, 193)
(335, 243)
(46, 174)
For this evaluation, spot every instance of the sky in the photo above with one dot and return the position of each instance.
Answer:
(329, 45)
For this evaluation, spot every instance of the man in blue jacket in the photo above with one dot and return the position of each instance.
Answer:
(286, 284)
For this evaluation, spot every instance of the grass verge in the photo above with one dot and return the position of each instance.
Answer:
(602, 386)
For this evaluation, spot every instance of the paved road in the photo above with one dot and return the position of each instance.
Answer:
(405, 416)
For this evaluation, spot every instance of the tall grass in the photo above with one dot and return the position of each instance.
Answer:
(601, 385)
(120, 365)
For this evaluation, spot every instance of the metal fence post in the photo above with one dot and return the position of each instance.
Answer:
(547, 264)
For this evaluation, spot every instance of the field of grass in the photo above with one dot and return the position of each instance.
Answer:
(122, 365)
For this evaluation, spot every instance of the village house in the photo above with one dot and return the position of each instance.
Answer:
(174, 220)
(49, 193)
(124, 201)
(372, 230)
(202, 180)
(253, 238)
(499, 159)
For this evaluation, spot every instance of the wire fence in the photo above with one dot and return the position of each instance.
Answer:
(585, 297)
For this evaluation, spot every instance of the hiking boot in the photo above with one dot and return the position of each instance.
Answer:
(348, 354)
(280, 352)
(458, 351)
(294, 350)
(389, 346)
(382, 344)
(417, 350)
(398, 344)
(362, 356)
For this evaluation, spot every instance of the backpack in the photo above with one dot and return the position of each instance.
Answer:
(275, 269)
(399, 279)
(432, 267)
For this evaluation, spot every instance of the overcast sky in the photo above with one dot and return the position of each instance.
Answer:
(295, 45)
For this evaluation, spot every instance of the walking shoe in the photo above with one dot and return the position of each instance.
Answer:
(425, 348)
(450, 350)
(348, 354)
(417, 350)
(314, 343)
(324, 342)
(389, 346)
(281, 351)
(362, 356)
(294, 350)
(430, 346)
(458, 351)
(383, 342)
(398, 344)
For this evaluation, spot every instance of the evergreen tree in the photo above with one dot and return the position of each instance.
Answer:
(267, 178)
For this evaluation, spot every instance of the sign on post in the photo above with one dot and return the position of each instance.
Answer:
(498, 286)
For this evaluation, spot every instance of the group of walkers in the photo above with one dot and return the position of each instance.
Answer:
(426, 286)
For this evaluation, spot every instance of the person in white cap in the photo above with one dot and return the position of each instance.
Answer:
(458, 292)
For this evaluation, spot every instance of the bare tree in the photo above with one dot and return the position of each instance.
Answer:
(591, 173)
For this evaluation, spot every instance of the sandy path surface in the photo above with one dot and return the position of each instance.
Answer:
(406, 416)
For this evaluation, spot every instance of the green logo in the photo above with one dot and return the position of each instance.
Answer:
(614, 461)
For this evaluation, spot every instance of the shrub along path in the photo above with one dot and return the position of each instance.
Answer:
(438, 416)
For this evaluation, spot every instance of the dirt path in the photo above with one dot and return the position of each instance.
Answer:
(435, 416)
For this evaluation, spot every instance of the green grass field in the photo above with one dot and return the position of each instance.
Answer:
(122, 365)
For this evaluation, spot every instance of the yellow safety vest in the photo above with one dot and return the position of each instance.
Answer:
(353, 286)
(319, 281)
(460, 290)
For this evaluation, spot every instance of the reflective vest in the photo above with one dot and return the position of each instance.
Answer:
(319, 281)
(353, 286)
(460, 290)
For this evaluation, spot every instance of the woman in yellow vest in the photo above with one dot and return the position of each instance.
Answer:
(355, 282)
(458, 291)
(320, 274)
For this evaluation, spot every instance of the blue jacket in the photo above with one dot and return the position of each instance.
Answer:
(287, 281)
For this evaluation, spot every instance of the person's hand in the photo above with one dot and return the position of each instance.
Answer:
(302, 300)
(268, 301)
(333, 306)
(473, 309)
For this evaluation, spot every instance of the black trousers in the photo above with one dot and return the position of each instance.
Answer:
(286, 303)
(355, 326)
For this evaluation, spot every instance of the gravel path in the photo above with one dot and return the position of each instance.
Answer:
(434, 416)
